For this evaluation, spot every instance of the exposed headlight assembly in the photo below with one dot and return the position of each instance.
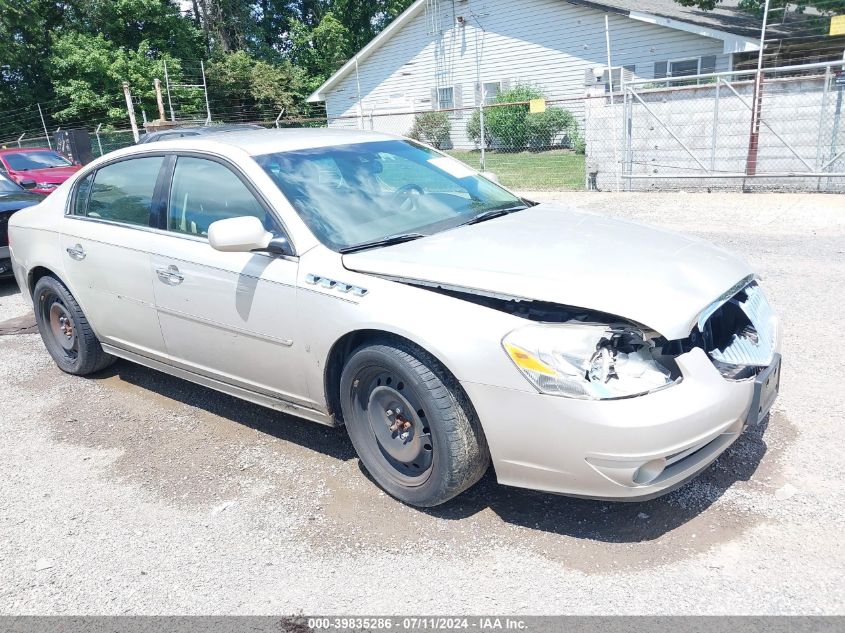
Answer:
(587, 361)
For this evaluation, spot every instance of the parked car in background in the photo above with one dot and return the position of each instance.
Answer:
(198, 130)
(46, 168)
(356, 278)
(13, 198)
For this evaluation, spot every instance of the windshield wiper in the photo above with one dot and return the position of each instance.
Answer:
(493, 213)
(385, 241)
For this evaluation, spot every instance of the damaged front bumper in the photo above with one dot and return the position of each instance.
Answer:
(625, 449)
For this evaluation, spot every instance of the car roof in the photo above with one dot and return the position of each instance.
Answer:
(258, 142)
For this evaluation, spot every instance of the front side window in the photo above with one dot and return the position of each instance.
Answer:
(123, 192)
(204, 191)
(350, 195)
(24, 161)
(445, 98)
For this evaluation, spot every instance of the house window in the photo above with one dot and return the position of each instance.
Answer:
(491, 91)
(445, 98)
(684, 67)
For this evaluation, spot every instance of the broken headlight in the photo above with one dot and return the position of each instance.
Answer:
(587, 361)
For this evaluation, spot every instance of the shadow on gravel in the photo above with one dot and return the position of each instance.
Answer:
(613, 522)
(8, 287)
(600, 521)
(331, 442)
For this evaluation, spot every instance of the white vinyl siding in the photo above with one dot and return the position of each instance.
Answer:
(548, 43)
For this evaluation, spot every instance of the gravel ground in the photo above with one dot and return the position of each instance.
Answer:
(133, 492)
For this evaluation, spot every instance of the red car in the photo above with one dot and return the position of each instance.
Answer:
(46, 167)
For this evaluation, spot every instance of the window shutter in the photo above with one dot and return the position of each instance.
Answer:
(589, 77)
(458, 96)
(628, 72)
(478, 94)
(708, 64)
(435, 99)
(660, 69)
(506, 85)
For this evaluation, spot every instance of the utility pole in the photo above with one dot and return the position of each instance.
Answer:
(159, 100)
(167, 87)
(131, 110)
(757, 103)
(44, 125)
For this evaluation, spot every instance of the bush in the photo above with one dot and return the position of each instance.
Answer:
(474, 129)
(515, 127)
(543, 127)
(433, 128)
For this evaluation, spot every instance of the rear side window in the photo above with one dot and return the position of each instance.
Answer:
(204, 191)
(123, 192)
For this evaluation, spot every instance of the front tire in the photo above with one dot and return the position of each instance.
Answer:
(411, 424)
(66, 333)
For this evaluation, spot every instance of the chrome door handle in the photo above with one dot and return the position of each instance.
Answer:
(170, 275)
(77, 253)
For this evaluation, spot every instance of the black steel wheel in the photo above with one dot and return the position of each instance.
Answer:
(411, 424)
(66, 333)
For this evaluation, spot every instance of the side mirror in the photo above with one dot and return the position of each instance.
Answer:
(489, 175)
(239, 235)
(27, 183)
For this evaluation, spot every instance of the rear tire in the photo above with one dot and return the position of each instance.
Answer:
(66, 333)
(411, 424)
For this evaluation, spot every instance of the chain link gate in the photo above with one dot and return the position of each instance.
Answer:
(696, 132)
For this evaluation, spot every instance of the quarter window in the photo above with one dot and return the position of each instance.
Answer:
(123, 192)
(204, 191)
(83, 189)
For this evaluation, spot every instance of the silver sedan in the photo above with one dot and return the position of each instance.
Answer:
(358, 279)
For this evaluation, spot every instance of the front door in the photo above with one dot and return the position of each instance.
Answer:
(228, 316)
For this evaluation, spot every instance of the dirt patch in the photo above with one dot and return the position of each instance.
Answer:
(20, 325)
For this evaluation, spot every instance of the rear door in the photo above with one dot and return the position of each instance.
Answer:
(228, 316)
(105, 241)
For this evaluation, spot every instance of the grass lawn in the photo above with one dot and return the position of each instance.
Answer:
(554, 170)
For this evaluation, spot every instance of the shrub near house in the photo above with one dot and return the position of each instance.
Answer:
(514, 127)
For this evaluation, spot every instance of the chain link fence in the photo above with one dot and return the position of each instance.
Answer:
(715, 131)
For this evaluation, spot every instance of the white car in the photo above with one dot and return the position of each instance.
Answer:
(361, 279)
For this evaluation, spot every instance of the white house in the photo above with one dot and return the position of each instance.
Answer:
(452, 54)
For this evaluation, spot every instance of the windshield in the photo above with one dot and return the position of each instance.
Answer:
(35, 160)
(7, 186)
(350, 195)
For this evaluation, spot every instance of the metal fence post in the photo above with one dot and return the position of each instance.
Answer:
(205, 91)
(822, 112)
(20, 138)
(44, 125)
(97, 134)
(715, 135)
(278, 118)
(167, 87)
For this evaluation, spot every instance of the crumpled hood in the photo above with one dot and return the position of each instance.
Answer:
(660, 279)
